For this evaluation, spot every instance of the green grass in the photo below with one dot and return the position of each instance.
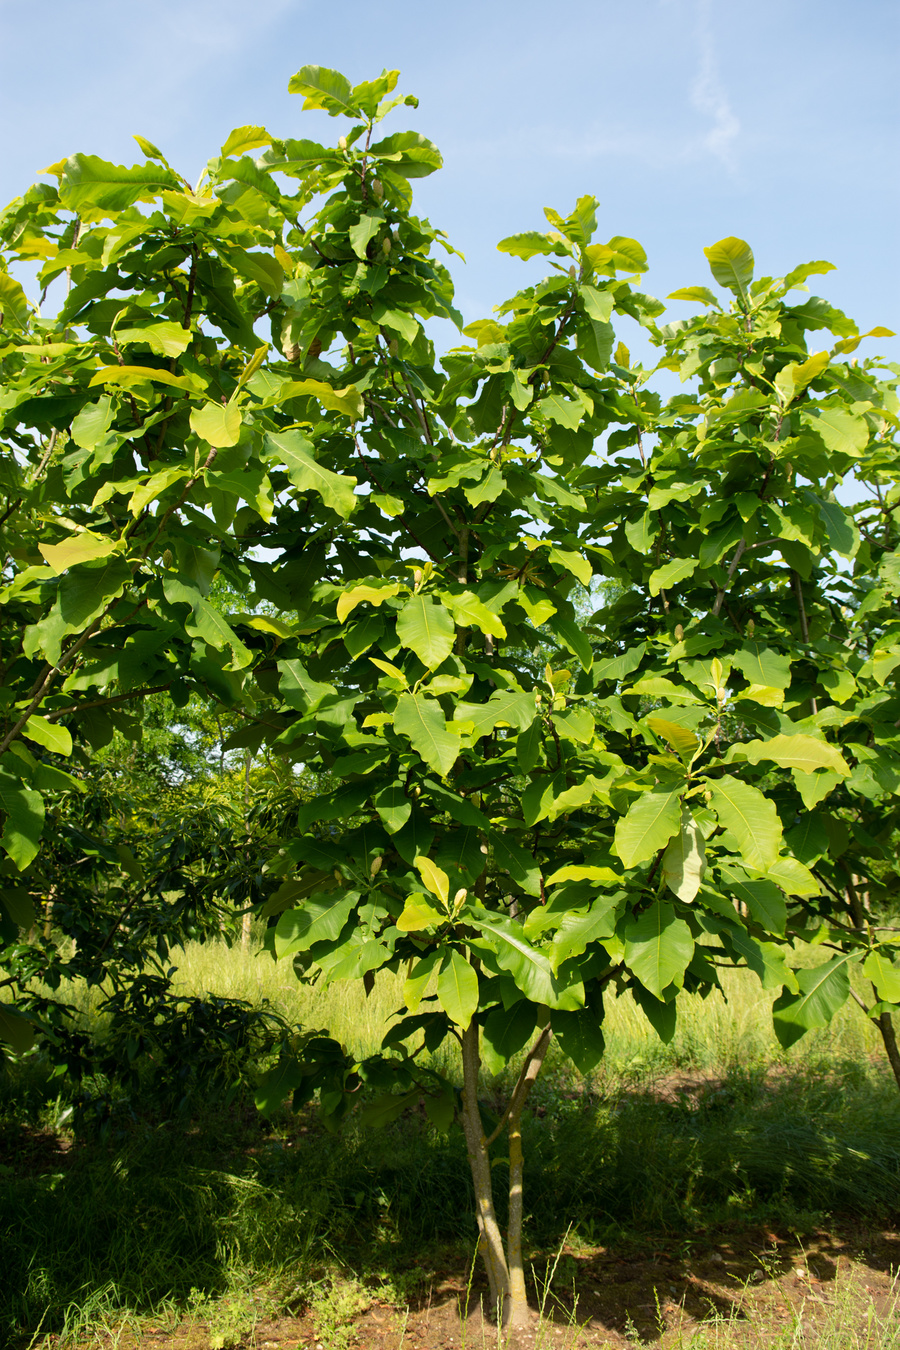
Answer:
(176, 1214)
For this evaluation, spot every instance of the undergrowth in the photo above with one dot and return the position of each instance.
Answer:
(187, 1211)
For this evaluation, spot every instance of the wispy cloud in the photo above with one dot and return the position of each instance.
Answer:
(709, 97)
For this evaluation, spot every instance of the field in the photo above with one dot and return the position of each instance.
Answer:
(715, 1192)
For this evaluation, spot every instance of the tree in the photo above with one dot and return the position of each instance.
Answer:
(523, 802)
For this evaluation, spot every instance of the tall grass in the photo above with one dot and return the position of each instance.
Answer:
(713, 1034)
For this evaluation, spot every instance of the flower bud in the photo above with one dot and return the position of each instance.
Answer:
(386, 247)
(342, 143)
(377, 189)
(376, 866)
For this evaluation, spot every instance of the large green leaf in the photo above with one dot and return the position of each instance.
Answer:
(684, 861)
(806, 753)
(823, 992)
(529, 967)
(505, 707)
(78, 548)
(24, 810)
(16, 1030)
(731, 263)
(884, 974)
(764, 901)
(750, 817)
(88, 184)
(580, 1036)
(216, 423)
(421, 720)
(319, 920)
(648, 826)
(427, 629)
(408, 153)
(658, 947)
(843, 433)
(457, 988)
(295, 452)
(506, 1031)
(323, 88)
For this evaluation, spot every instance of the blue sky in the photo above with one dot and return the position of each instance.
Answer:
(776, 121)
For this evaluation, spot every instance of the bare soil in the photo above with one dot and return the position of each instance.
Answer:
(744, 1289)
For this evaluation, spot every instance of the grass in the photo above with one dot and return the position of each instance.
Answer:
(223, 1215)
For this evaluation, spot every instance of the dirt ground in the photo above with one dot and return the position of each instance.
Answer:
(755, 1289)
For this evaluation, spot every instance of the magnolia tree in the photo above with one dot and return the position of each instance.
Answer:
(599, 689)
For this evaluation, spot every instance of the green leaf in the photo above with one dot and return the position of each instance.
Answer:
(701, 293)
(573, 637)
(531, 242)
(663, 578)
(684, 861)
(348, 401)
(658, 947)
(577, 931)
(295, 452)
(418, 914)
(683, 741)
(806, 753)
(763, 666)
(427, 629)
(469, 611)
(529, 967)
(14, 305)
(216, 423)
(393, 806)
(78, 548)
(764, 901)
(362, 232)
(505, 707)
(323, 88)
(243, 139)
(421, 720)
(884, 974)
(24, 824)
(648, 826)
(92, 423)
(458, 989)
(50, 735)
(580, 1037)
(375, 595)
(15, 1029)
(130, 376)
(576, 563)
(505, 1032)
(842, 432)
(165, 338)
(750, 817)
(408, 153)
(731, 263)
(319, 920)
(90, 185)
(823, 992)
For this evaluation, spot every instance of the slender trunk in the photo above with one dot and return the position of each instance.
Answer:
(48, 912)
(889, 1036)
(505, 1269)
(490, 1241)
(247, 920)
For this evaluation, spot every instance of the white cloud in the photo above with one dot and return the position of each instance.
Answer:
(708, 95)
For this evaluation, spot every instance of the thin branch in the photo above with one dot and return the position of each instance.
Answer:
(720, 591)
(530, 1070)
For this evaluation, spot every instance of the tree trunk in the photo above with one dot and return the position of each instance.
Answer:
(889, 1036)
(505, 1268)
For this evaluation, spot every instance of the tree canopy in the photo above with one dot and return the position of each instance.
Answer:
(599, 687)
